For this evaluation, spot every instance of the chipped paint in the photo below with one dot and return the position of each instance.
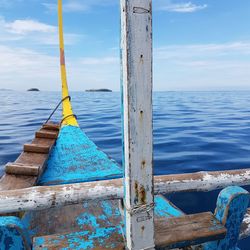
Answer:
(75, 158)
(231, 207)
(13, 234)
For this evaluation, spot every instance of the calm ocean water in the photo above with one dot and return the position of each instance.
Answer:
(193, 131)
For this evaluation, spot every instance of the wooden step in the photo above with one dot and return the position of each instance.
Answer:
(46, 134)
(51, 126)
(36, 148)
(22, 169)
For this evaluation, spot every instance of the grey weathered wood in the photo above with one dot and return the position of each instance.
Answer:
(136, 44)
(245, 226)
(22, 169)
(61, 195)
(201, 181)
(36, 148)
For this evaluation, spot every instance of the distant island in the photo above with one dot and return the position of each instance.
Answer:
(98, 90)
(33, 89)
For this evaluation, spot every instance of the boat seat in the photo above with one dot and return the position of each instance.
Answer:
(169, 232)
(87, 223)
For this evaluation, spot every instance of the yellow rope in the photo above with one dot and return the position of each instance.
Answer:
(68, 115)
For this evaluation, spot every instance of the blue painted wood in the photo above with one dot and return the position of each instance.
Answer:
(13, 234)
(75, 158)
(231, 207)
(96, 219)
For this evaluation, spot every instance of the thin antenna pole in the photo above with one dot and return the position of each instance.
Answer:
(68, 115)
(136, 44)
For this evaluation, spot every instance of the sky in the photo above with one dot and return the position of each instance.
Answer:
(197, 45)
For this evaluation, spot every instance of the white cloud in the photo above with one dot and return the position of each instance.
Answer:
(27, 26)
(222, 66)
(32, 31)
(187, 7)
(71, 6)
(22, 69)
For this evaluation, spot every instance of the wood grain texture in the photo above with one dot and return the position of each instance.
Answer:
(170, 232)
(51, 126)
(43, 133)
(36, 148)
(18, 181)
(22, 169)
(136, 51)
(187, 230)
(113, 189)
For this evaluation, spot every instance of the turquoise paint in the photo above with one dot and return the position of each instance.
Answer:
(75, 158)
(231, 207)
(95, 229)
(13, 234)
(163, 208)
(81, 240)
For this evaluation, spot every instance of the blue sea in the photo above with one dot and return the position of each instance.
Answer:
(193, 131)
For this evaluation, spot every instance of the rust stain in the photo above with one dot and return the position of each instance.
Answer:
(142, 195)
(143, 164)
(136, 192)
(62, 58)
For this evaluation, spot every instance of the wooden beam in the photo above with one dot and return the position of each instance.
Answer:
(46, 134)
(136, 44)
(36, 148)
(40, 197)
(201, 181)
(22, 169)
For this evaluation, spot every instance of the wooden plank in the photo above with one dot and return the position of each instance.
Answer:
(87, 216)
(108, 238)
(136, 43)
(11, 181)
(187, 230)
(76, 193)
(36, 148)
(51, 126)
(46, 134)
(201, 181)
(22, 169)
(169, 232)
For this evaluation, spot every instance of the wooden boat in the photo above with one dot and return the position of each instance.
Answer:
(64, 193)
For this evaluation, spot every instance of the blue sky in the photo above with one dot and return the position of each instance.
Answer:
(198, 45)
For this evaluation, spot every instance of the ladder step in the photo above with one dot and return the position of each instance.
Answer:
(22, 169)
(51, 126)
(45, 134)
(36, 148)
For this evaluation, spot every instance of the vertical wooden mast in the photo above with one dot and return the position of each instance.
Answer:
(136, 44)
(68, 115)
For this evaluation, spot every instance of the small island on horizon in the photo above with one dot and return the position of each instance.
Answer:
(33, 89)
(98, 90)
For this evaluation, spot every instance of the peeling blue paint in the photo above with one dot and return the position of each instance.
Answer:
(13, 234)
(80, 240)
(164, 208)
(75, 158)
(231, 207)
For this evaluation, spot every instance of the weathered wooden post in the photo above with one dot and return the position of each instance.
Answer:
(136, 44)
